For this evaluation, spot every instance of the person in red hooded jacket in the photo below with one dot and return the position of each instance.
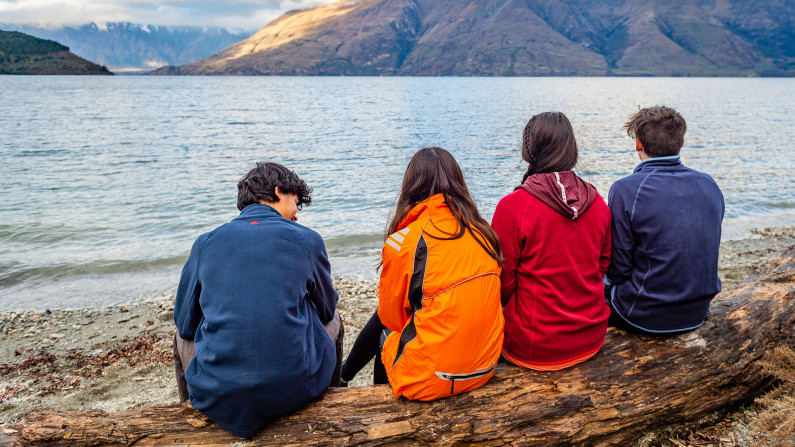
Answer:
(554, 230)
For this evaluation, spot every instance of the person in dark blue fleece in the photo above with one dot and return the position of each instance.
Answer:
(666, 226)
(257, 331)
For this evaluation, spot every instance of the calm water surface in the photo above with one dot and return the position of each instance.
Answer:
(106, 182)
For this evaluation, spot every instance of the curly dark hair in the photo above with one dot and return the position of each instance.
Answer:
(261, 182)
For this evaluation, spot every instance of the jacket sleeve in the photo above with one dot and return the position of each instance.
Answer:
(622, 239)
(322, 294)
(187, 312)
(394, 309)
(505, 225)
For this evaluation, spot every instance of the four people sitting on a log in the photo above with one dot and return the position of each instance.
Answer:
(257, 331)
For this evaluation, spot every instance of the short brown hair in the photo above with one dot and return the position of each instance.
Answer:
(661, 130)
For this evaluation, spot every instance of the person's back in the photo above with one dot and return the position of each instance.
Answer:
(666, 230)
(253, 297)
(554, 312)
(450, 344)
(439, 289)
(554, 230)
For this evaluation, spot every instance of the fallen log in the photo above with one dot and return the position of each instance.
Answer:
(635, 385)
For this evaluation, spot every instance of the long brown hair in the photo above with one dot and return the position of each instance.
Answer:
(548, 144)
(431, 171)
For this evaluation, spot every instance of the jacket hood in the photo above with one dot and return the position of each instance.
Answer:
(432, 203)
(564, 192)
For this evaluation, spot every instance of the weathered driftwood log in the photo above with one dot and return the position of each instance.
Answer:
(636, 384)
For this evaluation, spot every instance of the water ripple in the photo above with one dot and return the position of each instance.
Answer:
(106, 177)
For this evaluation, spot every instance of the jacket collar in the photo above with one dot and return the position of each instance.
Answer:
(432, 204)
(671, 160)
(257, 210)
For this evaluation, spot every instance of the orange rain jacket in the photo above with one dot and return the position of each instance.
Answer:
(441, 299)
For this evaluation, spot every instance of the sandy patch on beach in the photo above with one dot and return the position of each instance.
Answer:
(119, 358)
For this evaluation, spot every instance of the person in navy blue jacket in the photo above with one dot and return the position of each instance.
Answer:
(666, 227)
(257, 306)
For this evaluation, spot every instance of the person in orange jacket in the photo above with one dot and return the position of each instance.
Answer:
(439, 292)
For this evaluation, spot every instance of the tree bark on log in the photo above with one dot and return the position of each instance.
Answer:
(634, 385)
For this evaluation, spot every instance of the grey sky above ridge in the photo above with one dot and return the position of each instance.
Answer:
(231, 14)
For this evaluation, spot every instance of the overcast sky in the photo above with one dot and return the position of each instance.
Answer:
(233, 14)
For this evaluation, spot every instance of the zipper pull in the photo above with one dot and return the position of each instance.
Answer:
(452, 384)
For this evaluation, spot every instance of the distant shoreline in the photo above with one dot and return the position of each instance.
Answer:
(172, 71)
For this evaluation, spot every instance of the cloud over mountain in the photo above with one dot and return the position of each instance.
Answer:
(231, 14)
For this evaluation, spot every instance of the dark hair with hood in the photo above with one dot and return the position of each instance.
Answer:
(548, 144)
(261, 182)
(431, 171)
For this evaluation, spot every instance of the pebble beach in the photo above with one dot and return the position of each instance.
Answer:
(119, 358)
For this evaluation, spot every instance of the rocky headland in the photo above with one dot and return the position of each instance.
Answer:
(21, 54)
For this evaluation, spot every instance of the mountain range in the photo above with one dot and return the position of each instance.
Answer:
(518, 38)
(129, 47)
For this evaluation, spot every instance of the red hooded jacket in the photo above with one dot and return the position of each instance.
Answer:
(555, 235)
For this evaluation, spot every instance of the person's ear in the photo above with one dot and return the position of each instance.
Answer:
(278, 193)
(638, 145)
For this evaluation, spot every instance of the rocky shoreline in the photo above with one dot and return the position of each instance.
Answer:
(115, 358)
(119, 358)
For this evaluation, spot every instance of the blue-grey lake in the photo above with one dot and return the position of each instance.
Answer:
(106, 181)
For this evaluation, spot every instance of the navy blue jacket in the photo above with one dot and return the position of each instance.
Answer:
(666, 225)
(254, 296)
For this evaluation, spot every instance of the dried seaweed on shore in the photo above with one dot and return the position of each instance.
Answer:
(141, 350)
(52, 373)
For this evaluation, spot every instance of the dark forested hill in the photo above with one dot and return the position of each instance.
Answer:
(519, 38)
(23, 54)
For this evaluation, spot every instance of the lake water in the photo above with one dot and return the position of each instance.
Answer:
(106, 182)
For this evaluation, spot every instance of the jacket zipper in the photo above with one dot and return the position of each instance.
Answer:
(467, 376)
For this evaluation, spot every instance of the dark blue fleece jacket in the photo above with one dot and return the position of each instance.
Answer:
(254, 296)
(666, 226)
